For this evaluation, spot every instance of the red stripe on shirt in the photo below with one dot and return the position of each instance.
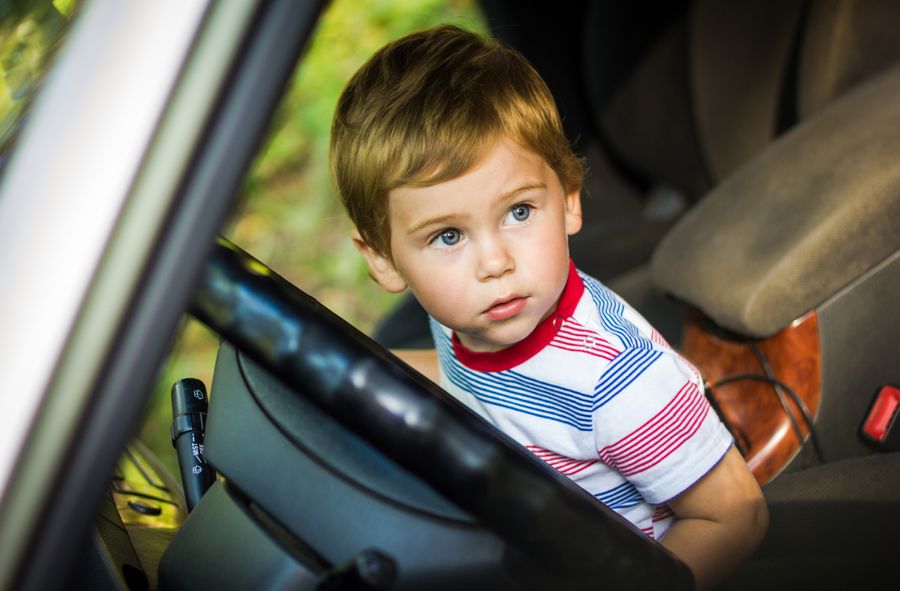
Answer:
(664, 439)
(574, 337)
(687, 425)
(661, 435)
(565, 465)
(658, 338)
(662, 512)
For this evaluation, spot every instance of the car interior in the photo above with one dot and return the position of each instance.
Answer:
(739, 158)
(743, 193)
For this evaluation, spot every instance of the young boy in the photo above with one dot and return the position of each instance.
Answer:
(449, 156)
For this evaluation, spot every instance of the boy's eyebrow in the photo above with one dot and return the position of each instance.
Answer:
(430, 222)
(450, 217)
(522, 189)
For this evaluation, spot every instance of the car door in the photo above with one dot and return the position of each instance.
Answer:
(119, 181)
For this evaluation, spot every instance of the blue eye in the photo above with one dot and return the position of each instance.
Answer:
(519, 213)
(448, 237)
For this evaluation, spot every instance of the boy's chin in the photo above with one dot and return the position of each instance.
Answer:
(494, 341)
(482, 346)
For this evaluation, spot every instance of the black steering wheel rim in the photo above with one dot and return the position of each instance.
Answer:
(413, 421)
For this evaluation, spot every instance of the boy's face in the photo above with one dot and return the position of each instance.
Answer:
(486, 253)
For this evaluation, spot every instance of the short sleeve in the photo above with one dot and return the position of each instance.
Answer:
(653, 423)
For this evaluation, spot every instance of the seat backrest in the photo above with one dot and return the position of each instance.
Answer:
(845, 43)
(724, 79)
(740, 58)
(705, 96)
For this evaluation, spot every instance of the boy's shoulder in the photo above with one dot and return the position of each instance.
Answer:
(611, 312)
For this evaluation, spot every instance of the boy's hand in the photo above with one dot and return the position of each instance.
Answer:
(721, 521)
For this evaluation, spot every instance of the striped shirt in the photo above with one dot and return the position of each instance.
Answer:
(598, 394)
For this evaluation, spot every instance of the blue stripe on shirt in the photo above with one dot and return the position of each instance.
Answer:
(620, 497)
(515, 391)
(612, 314)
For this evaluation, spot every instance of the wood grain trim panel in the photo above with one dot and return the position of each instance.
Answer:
(762, 429)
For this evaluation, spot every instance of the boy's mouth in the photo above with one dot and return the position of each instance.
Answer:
(505, 308)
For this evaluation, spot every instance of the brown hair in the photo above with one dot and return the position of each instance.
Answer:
(422, 111)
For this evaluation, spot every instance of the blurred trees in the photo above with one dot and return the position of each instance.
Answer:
(289, 216)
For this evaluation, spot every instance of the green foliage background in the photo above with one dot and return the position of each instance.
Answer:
(289, 216)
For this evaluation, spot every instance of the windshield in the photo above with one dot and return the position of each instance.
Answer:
(30, 32)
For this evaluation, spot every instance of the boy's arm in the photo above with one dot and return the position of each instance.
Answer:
(424, 361)
(721, 521)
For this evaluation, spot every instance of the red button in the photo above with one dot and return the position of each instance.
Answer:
(882, 414)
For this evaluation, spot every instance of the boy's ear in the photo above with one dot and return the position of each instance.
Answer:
(381, 268)
(573, 210)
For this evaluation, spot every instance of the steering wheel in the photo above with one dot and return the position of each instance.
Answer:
(526, 503)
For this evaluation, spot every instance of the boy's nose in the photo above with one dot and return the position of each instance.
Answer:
(494, 259)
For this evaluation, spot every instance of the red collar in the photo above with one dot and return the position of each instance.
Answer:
(528, 347)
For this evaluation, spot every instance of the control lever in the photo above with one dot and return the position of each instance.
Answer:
(189, 406)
